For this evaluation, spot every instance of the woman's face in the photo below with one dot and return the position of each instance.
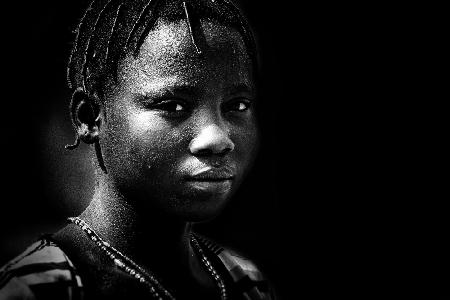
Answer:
(180, 128)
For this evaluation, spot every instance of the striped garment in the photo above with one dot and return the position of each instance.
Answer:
(44, 271)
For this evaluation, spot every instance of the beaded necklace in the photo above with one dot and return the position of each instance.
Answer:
(146, 277)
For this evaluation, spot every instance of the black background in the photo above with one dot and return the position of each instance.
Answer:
(348, 195)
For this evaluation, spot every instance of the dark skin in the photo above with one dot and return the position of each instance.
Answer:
(178, 134)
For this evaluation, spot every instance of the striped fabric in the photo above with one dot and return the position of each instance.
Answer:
(44, 271)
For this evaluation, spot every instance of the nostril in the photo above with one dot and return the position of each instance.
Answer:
(225, 151)
(202, 152)
(211, 140)
(207, 150)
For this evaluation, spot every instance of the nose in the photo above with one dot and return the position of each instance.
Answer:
(211, 139)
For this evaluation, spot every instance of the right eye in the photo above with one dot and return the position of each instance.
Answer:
(175, 106)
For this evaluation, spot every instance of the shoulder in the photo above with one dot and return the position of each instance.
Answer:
(43, 271)
(247, 277)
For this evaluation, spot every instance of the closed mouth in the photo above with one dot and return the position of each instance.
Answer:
(209, 179)
(211, 175)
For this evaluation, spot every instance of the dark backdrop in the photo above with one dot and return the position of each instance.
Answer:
(348, 196)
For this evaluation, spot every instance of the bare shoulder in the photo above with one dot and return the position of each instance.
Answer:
(43, 269)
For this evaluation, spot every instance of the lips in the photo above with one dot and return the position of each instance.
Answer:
(212, 175)
(212, 181)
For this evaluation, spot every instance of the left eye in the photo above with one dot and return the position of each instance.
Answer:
(240, 105)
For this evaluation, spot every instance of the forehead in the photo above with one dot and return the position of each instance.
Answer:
(169, 53)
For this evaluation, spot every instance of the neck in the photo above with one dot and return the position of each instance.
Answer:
(151, 239)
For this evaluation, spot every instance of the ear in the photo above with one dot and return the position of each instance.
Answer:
(85, 115)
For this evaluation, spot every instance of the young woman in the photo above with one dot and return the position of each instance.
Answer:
(165, 91)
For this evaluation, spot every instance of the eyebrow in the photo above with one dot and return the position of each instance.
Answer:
(241, 88)
(193, 91)
(188, 90)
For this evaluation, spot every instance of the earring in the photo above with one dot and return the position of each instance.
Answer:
(98, 153)
(74, 145)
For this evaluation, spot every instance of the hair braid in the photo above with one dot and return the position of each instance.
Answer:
(70, 67)
(84, 32)
(139, 20)
(145, 27)
(245, 30)
(126, 17)
(113, 29)
(95, 52)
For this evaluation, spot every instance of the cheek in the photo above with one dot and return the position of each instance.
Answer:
(246, 141)
(154, 142)
(133, 141)
(145, 123)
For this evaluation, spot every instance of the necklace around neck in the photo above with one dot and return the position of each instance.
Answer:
(144, 276)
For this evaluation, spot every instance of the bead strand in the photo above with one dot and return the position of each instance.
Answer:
(138, 272)
(114, 254)
(210, 268)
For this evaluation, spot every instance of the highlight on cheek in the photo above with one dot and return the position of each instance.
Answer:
(145, 122)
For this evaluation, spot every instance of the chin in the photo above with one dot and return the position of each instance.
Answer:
(204, 210)
(200, 217)
(189, 205)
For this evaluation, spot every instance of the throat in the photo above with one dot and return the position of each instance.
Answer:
(151, 241)
(199, 281)
(140, 234)
(154, 242)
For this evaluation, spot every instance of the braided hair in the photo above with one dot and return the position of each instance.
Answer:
(112, 29)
